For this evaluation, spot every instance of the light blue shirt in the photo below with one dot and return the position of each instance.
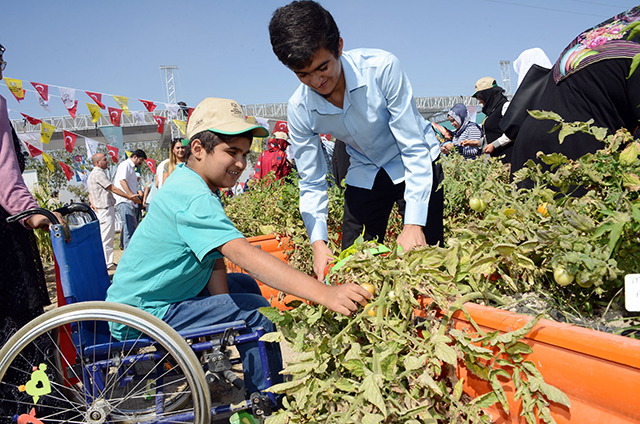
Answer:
(172, 252)
(382, 128)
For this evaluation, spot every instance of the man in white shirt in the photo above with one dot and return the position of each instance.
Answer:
(102, 202)
(127, 181)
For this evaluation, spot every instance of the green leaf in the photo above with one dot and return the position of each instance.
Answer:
(631, 181)
(371, 390)
(505, 249)
(355, 366)
(542, 114)
(275, 337)
(634, 64)
(344, 385)
(565, 132)
(633, 29)
(273, 314)
(372, 418)
(457, 390)
(554, 394)
(616, 231)
(281, 417)
(520, 348)
(286, 386)
(486, 400)
(425, 380)
(413, 363)
(485, 265)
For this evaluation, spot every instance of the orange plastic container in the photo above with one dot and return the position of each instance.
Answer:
(599, 372)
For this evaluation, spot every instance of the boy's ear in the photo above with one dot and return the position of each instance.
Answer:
(196, 147)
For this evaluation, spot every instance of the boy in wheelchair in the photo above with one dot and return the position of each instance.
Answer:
(174, 267)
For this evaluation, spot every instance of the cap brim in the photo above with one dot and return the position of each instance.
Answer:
(257, 130)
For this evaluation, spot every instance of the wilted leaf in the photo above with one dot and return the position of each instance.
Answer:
(505, 249)
(371, 390)
(543, 114)
(275, 337)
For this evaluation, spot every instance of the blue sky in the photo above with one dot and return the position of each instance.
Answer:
(222, 49)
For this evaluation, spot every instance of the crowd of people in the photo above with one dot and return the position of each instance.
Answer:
(363, 98)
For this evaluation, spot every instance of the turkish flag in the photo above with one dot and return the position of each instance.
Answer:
(151, 163)
(160, 120)
(42, 89)
(96, 97)
(191, 109)
(69, 140)
(73, 110)
(33, 151)
(113, 153)
(67, 170)
(149, 105)
(281, 126)
(326, 136)
(32, 121)
(115, 114)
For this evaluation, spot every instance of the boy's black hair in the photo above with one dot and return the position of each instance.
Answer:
(210, 140)
(301, 28)
(139, 153)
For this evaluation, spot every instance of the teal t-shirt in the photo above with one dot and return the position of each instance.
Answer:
(172, 252)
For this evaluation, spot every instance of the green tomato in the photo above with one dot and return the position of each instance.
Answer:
(585, 284)
(477, 204)
(561, 276)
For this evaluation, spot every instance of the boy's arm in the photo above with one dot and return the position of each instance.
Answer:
(275, 273)
(218, 281)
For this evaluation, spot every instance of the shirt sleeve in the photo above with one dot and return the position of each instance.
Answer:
(415, 141)
(503, 139)
(312, 170)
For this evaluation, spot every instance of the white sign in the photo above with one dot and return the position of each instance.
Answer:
(632, 292)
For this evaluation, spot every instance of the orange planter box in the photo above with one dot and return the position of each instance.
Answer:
(599, 372)
(275, 247)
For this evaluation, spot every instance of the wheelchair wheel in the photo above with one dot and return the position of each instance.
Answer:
(154, 377)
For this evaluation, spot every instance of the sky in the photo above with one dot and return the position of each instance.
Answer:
(222, 49)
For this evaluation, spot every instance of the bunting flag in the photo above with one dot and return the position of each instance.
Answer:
(69, 140)
(160, 120)
(92, 146)
(149, 105)
(281, 126)
(113, 153)
(151, 163)
(83, 178)
(128, 153)
(15, 85)
(33, 151)
(172, 109)
(123, 102)
(68, 96)
(327, 137)
(31, 137)
(114, 137)
(67, 170)
(139, 116)
(115, 114)
(181, 125)
(46, 131)
(32, 121)
(49, 161)
(43, 103)
(42, 89)
(96, 97)
(94, 110)
(80, 167)
(191, 109)
(264, 122)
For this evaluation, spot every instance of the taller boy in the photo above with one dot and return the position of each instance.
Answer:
(364, 98)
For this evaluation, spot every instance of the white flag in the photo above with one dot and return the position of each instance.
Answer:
(68, 96)
(263, 122)
(172, 109)
(32, 138)
(92, 147)
(139, 116)
(44, 103)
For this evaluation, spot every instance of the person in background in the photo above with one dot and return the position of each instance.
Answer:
(494, 106)
(103, 203)
(364, 98)
(274, 159)
(467, 136)
(176, 155)
(127, 181)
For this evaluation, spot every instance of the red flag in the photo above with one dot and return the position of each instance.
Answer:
(32, 121)
(149, 105)
(96, 97)
(115, 114)
(73, 110)
(113, 152)
(191, 109)
(281, 126)
(67, 170)
(42, 89)
(327, 136)
(33, 151)
(151, 163)
(69, 140)
(160, 120)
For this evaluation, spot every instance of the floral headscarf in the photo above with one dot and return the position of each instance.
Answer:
(604, 41)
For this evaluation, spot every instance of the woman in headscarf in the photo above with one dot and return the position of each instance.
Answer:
(274, 158)
(590, 80)
(494, 105)
(467, 135)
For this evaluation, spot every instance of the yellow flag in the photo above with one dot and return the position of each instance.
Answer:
(128, 153)
(49, 160)
(251, 119)
(94, 110)
(46, 131)
(256, 146)
(182, 125)
(124, 103)
(15, 85)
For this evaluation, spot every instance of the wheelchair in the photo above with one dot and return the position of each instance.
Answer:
(65, 366)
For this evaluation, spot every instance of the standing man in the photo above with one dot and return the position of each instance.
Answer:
(102, 201)
(363, 98)
(127, 181)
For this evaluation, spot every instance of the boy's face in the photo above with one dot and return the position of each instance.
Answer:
(324, 72)
(222, 167)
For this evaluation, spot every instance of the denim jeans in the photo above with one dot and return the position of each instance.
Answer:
(241, 303)
(129, 223)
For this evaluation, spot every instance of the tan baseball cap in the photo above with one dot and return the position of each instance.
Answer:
(223, 116)
(281, 135)
(483, 84)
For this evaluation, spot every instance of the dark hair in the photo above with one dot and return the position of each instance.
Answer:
(210, 140)
(139, 153)
(301, 28)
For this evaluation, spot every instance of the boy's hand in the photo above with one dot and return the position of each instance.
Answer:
(344, 298)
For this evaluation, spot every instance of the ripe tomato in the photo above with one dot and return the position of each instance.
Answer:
(542, 209)
(477, 204)
(561, 276)
(369, 287)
